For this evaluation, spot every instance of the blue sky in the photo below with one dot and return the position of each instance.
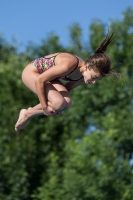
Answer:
(33, 20)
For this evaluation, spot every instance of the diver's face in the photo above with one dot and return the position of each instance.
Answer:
(91, 76)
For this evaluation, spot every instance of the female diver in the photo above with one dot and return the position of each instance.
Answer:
(43, 77)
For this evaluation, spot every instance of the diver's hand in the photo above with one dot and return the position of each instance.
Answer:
(48, 111)
(57, 114)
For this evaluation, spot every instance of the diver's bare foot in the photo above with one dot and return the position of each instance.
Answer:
(22, 120)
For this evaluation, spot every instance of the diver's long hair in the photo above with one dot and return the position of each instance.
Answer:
(101, 62)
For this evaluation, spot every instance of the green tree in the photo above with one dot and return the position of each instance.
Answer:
(83, 154)
(97, 165)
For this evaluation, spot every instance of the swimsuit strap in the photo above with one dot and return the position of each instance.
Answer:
(68, 79)
(55, 57)
(52, 57)
(75, 67)
(73, 71)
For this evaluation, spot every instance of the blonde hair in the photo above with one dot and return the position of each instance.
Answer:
(100, 61)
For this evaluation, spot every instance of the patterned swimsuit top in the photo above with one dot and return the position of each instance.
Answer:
(42, 64)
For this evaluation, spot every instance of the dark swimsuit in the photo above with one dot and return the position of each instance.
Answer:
(42, 64)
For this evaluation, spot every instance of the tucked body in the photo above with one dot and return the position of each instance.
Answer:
(44, 76)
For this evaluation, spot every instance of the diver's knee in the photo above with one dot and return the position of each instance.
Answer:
(59, 104)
